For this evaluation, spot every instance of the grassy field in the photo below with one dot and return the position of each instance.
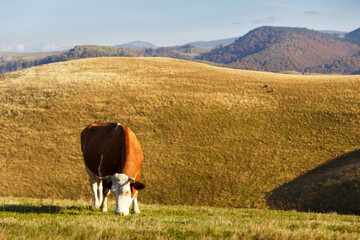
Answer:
(211, 136)
(22, 218)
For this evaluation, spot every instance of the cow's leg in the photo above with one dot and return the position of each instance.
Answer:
(135, 206)
(94, 187)
(104, 206)
(100, 191)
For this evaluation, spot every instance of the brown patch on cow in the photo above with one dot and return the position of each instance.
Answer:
(118, 148)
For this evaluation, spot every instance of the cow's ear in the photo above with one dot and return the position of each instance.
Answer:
(138, 185)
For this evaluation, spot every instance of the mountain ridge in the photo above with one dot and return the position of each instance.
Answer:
(354, 36)
(278, 49)
(267, 48)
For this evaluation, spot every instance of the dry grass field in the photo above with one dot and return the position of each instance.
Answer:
(211, 136)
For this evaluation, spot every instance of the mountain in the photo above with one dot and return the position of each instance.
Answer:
(214, 43)
(349, 65)
(186, 52)
(137, 44)
(279, 49)
(354, 36)
(275, 49)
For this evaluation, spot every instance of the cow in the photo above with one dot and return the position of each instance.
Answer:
(113, 158)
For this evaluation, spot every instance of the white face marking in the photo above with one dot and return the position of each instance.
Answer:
(121, 189)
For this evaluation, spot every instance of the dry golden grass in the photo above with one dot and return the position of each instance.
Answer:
(210, 135)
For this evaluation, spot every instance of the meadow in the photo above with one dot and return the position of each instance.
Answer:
(211, 136)
(26, 218)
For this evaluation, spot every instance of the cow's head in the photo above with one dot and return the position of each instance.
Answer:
(121, 187)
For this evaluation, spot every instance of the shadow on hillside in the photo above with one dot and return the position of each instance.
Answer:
(331, 187)
(35, 209)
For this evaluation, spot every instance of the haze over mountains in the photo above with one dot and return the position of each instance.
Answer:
(274, 49)
(206, 44)
(137, 44)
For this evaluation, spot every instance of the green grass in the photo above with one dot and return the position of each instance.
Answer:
(54, 219)
(211, 136)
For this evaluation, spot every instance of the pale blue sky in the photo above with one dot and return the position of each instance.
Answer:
(33, 25)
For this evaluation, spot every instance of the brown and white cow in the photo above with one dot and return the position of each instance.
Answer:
(113, 159)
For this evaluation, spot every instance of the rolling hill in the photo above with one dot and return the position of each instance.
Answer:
(22, 61)
(210, 135)
(9, 61)
(282, 49)
(185, 52)
(353, 37)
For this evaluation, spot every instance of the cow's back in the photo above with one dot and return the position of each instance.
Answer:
(134, 155)
(104, 149)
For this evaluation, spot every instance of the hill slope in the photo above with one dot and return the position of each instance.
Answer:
(354, 36)
(211, 136)
(83, 51)
(318, 189)
(279, 49)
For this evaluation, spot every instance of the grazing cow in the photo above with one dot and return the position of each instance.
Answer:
(113, 159)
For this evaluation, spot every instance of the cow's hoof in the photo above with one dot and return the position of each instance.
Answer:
(94, 207)
(120, 214)
(103, 209)
(136, 211)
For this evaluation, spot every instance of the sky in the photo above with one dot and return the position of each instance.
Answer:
(49, 25)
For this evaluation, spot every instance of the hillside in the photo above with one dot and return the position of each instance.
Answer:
(211, 136)
(281, 49)
(316, 189)
(350, 65)
(10, 61)
(347, 65)
(353, 37)
(23, 61)
(187, 52)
